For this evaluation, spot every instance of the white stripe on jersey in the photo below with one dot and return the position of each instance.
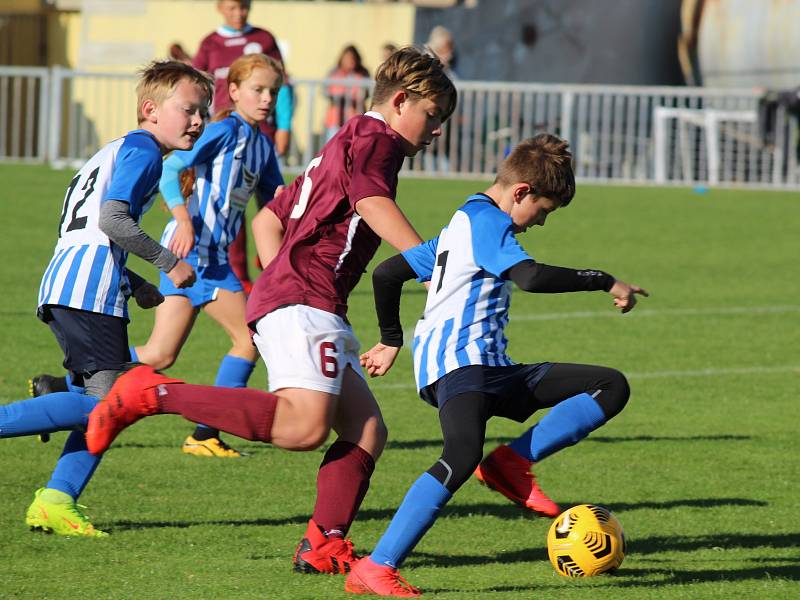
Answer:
(348, 245)
(465, 313)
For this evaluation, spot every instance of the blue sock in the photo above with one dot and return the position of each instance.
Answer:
(52, 412)
(567, 423)
(75, 466)
(134, 356)
(76, 389)
(415, 516)
(234, 372)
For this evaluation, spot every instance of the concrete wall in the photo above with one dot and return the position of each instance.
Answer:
(564, 41)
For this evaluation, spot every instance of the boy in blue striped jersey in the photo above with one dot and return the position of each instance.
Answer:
(460, 359)
(85, 288)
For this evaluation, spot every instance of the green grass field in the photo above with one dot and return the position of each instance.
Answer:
(702, 467)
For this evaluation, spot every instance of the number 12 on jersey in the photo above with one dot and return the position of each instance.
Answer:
(77, 222)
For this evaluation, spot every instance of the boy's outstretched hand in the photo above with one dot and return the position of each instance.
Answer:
(379, 359)
(625, 295)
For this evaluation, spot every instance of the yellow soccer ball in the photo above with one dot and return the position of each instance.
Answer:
(585, 540)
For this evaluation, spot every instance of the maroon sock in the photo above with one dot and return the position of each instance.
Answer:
(342, 483)
(242, 412)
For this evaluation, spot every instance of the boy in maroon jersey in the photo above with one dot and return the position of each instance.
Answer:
(236, 37)
(217, 52)
(316, 239)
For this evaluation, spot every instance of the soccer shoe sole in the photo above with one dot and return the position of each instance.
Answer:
(516, 499)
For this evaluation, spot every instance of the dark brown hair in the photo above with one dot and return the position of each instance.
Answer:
(545, 163)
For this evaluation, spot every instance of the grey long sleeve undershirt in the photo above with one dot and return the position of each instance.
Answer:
(116, 222)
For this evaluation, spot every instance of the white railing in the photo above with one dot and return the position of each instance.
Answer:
(662, 135)
(24, 125)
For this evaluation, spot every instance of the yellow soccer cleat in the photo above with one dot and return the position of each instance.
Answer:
(65, 517)
(210, 447)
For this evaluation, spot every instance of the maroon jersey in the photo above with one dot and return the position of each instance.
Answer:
(219, 49)
(326, 245)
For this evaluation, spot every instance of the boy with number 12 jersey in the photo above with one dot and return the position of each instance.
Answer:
(84, 290)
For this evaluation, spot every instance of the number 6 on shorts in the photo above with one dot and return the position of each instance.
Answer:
(328, 363)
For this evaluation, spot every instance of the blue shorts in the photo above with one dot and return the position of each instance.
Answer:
(512, 387)
(210, 280)
(90, 341)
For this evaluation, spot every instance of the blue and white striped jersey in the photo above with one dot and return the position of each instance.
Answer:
(231, 160)
(87, 270)
(468, 300)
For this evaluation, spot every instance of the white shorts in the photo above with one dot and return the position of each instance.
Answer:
(304, 347)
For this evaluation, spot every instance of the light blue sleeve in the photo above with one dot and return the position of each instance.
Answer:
(170, 184)
(422, 259)
(137, 169)
(284, 108)
(494, 247)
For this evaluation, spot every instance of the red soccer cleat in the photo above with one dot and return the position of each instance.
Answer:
(132, 397)
(368, 577)
(318, 553)
(507, 472)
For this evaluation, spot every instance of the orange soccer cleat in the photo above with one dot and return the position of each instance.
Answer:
(319, 553)
(133, 396)
(508, 473)
(368, 577)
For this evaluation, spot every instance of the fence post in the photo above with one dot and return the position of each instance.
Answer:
(54, 139)
(44, 116)
(565, 127)
(659, 143)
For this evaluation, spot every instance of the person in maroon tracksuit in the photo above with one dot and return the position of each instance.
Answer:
(316, 239)
(217, 52)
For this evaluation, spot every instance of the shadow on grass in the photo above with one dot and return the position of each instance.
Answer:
(502, 511)
(437, 443)
(248, 448)
(724, 541)
(643, 576)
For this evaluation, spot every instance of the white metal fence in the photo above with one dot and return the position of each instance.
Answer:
(663, 135)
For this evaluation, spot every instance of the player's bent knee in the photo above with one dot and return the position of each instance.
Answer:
(311, 439)
(616, 395)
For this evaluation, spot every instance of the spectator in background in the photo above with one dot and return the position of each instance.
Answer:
(217, 51)
(345, 101)
(441, 42)
(387, 50)
(438, 157)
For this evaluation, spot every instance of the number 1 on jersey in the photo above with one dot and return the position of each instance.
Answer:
(305, 190)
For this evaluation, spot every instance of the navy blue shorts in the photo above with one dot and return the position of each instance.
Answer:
(90, 341)
(512, 388)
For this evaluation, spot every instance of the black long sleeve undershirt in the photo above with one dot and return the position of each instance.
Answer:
(530, 276)
(387, 283)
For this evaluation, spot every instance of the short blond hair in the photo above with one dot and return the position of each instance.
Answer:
(158, 80)
(244, 66)
(545, 163)
(417, 72)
